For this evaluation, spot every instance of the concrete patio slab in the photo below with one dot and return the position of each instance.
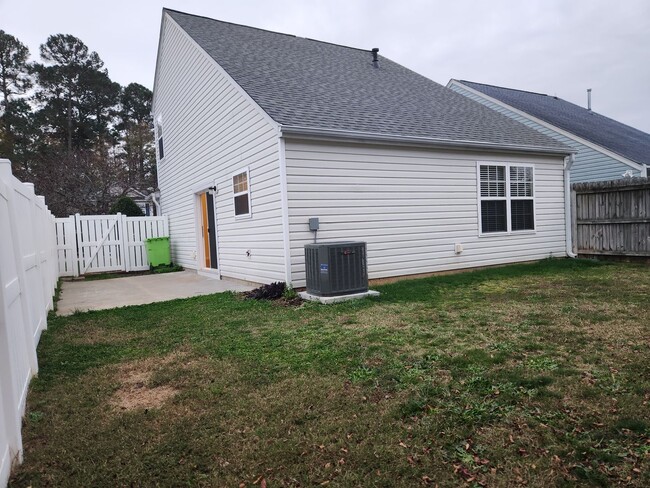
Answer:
(139, 290)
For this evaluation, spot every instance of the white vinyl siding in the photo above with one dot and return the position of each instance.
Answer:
(213, 131)
(412, 206)
(589, 165)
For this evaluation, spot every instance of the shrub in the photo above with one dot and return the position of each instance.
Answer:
(126, 206)
(272, 291)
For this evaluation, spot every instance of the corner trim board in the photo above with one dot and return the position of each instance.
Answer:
(284, 195)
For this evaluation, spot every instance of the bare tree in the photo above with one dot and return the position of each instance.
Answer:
(80, 180)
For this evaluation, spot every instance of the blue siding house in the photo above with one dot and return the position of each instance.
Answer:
(606, 149)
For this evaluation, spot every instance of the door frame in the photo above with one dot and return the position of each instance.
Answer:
(201, 251)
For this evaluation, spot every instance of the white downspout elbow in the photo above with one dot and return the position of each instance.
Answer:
(568, 220)
(152, 196)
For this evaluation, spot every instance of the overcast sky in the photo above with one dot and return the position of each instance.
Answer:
(549, 46)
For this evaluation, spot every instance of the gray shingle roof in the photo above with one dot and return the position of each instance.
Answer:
(608, 133)
(306, 83)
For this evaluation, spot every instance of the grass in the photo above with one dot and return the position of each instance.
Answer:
(529, 374)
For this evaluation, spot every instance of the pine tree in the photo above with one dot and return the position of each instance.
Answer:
(16, 122)
(76, 96)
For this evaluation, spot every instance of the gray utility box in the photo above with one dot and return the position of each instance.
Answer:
(336, 268)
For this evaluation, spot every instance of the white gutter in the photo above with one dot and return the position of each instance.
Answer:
(568, 221)
(415, 140)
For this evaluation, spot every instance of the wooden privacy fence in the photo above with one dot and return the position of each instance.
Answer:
(28, 277)
(103, 243)
(612, 217)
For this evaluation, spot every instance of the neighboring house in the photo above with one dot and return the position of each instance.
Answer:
(259, 131)
(606, 149)
(142, 200)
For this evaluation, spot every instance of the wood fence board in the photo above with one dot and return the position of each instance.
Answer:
(612, 217)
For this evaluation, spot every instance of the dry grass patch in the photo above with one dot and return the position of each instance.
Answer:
(136, 390)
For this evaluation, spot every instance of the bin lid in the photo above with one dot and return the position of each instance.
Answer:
(153, 239)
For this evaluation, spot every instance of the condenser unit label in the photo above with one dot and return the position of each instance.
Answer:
(323, 268)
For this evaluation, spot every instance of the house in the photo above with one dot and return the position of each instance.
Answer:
(605, 149)
(142, 200)
(257, 132)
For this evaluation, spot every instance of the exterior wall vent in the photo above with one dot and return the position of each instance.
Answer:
(336, 268)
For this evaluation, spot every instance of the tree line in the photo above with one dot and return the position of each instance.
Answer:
(81, 138)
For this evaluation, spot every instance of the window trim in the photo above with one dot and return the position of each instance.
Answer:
(247, 192)
(508, 199)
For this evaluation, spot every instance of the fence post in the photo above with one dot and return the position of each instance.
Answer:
(124, 248)
(80, 253)
(574, 222)
(44, 260)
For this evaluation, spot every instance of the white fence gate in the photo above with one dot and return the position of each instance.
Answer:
(28, 277)
(103, 243)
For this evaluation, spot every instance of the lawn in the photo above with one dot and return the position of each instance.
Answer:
(533, 375)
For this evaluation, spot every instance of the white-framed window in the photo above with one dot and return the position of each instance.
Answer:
(159, 139)
(506, 196)
(241, 193)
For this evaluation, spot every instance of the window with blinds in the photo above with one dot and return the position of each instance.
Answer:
(506, 194)
(521, 198)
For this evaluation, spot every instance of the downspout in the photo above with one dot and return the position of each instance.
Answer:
(568, 221)
(155, 202)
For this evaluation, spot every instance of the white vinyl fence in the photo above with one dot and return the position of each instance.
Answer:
(28, 277)
(102, 243)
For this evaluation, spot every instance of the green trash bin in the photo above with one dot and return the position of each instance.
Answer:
(158, 251)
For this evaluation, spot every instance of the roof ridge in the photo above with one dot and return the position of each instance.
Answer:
(511, 89)
(592, 112)
(265, 30)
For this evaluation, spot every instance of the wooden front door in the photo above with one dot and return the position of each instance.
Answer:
(208, 230)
